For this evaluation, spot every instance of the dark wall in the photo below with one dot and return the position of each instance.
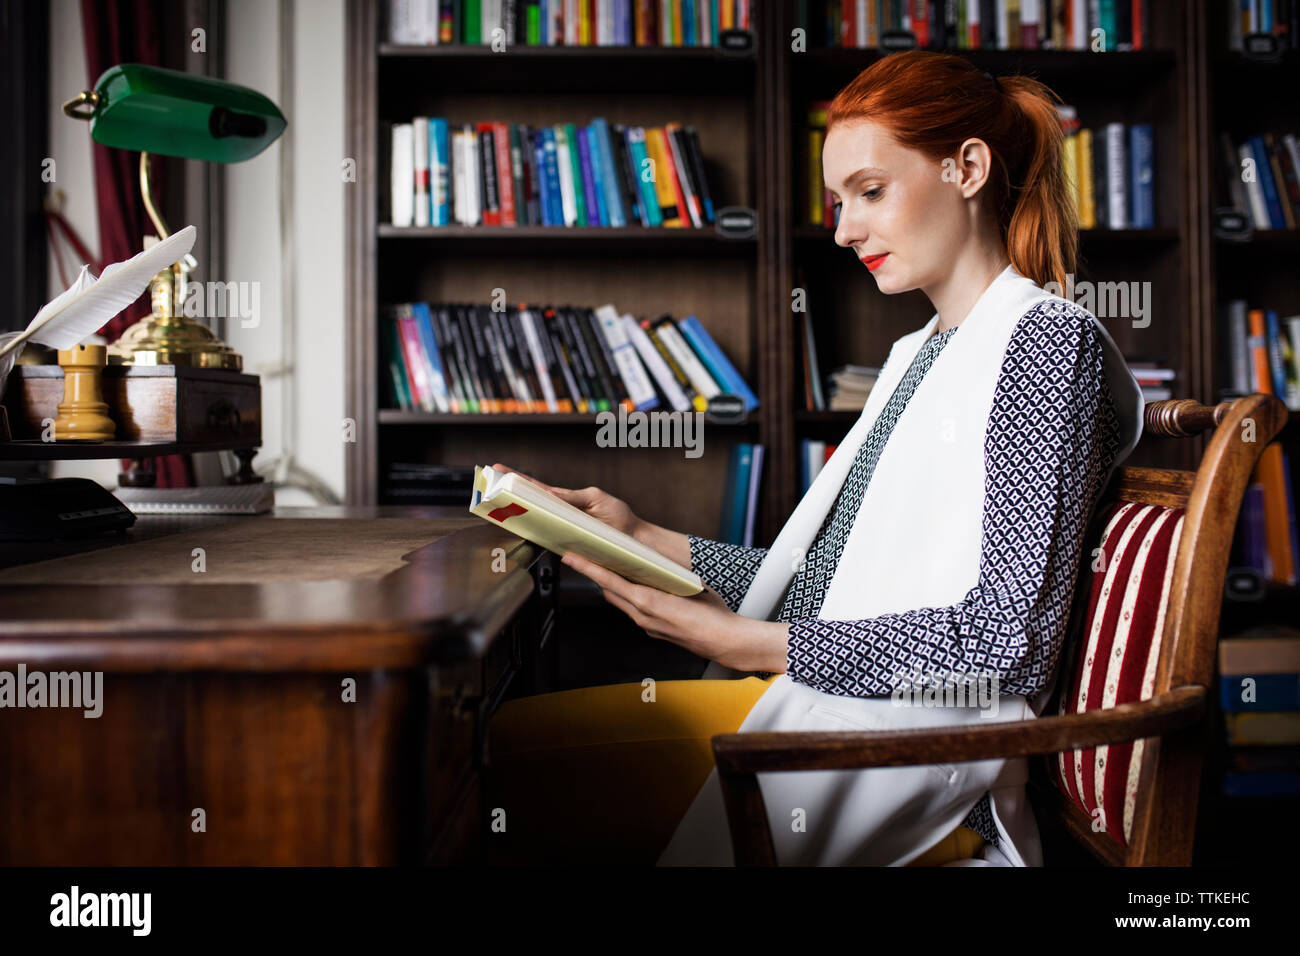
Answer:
(24, 105)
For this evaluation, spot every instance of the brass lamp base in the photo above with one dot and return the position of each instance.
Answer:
(167, 336)
(176, 340)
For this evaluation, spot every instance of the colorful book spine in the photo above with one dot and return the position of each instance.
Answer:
(604, 157)
(439, 173)
(1141, 185)
(437, 379)
(575, 172)
(658, 368)
(402, 179)
(641, 164)
(717, 362)
(420, 143)
(635, 377)
(551, 172)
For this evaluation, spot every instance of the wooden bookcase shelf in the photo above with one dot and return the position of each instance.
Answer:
(393, 416)
(573, 240)
(750, 111)
(644, 271)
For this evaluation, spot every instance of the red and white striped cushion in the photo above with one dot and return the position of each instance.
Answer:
(1115, 657)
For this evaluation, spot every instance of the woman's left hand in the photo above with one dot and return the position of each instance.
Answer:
(702, 623)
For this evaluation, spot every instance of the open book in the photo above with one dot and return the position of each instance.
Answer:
(533, 513)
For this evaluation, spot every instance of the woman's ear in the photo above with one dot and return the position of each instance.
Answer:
(975, 160)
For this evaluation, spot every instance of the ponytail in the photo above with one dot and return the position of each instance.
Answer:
(933, 102)
(1041, 224)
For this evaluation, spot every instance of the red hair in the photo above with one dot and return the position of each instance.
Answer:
(933, 102)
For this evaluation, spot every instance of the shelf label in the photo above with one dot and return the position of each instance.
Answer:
(898, 40)
(1244, 584)
(736, 222)
(1233, 224)
(740, 42)
(725, 410)
(1261, 46)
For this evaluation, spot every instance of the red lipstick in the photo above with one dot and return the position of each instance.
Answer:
(872, 261)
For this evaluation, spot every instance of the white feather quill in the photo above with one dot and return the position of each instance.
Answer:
(90, 302)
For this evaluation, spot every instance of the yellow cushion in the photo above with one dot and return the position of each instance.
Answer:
(961, 844)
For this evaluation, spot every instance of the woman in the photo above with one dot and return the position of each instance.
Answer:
(938, 546)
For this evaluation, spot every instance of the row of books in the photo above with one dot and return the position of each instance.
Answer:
(813, 455)
(1111, 171)
(1262, 358)
(1100, 25)
(419, 483)
(1277, 18)
(1259, 695)
(1260, 177)
(566, 22)
(458, 358)
(1261, 352)
(1265, 538)
(512, 174)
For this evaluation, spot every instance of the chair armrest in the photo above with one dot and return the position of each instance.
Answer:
(859, 750)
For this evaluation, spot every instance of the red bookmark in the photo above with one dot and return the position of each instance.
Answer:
(509, 511)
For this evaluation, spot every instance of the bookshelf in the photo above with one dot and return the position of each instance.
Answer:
(645, 271)
(750, 110)
(1245, 96)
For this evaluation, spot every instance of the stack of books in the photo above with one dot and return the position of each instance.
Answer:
(980, 24)
(1260, 178)
(458, 358)
(566, 22)
(1155, 380)
(1111, 172)
(850, 386)
(1259, 692)
(512, 174)
(1261, 353)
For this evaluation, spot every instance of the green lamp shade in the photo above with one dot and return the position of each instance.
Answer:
(169, 113)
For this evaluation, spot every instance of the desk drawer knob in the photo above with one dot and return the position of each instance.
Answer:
(223, 414)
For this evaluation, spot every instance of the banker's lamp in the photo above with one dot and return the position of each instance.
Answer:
(170, 113)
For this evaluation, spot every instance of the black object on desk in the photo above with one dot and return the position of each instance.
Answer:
(44, 509)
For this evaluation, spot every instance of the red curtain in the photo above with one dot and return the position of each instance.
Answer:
(127, 31)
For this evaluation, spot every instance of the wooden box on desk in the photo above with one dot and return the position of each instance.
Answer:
(165, 403)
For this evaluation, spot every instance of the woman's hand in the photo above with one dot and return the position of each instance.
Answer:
(599, 504)
(702, 623)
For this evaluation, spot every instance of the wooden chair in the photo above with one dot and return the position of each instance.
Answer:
(1116, 742)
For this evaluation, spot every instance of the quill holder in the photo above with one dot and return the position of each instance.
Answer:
(83, 413)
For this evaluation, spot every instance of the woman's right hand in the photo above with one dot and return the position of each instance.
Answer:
(599, 504)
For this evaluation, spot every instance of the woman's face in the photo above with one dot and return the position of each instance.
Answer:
(899, 212)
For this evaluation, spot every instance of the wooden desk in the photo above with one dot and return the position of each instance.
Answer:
(224, 689)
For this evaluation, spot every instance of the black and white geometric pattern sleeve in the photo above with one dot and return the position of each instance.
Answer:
(1051, 438)
(727, 568)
